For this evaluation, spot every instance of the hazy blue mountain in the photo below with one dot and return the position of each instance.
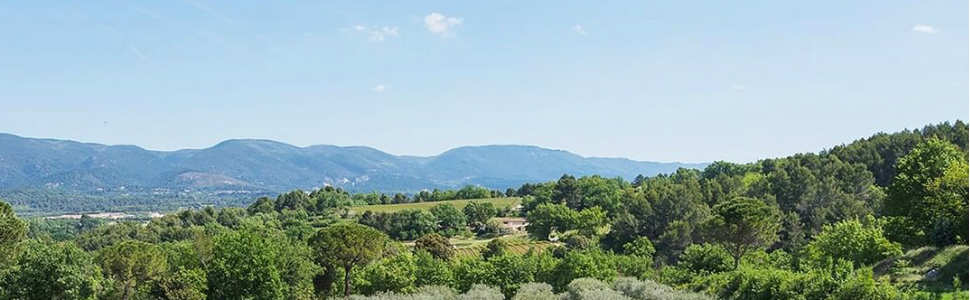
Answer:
(270, 166)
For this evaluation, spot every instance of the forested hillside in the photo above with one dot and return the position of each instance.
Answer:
(880, 218)
(48, 176)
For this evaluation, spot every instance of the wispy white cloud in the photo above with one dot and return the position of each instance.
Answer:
(198, 5)
(380, 88)
(120, 37)
(378, 35)
(222, 42)
(579, 29)
(441, 25)
(923, 28)
(374, 34)
(145, 11)
(737, 87)
(141, 56)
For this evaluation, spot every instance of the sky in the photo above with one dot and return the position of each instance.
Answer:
(689, 81)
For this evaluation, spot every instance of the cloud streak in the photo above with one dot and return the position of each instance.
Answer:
(374, 34)
(120, 37)
(202, 7)
(923, 28)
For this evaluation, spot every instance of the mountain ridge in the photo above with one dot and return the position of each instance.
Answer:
(263, 165)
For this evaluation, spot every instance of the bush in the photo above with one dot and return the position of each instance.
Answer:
(435, 244)
(649, 290)
(577, 287)
(482, 292)
(851, 240)
(535, 291)
(863, 286)
(705, 258)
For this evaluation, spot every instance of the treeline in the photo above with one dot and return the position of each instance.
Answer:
(476, 218)
(808, 226)
(329, 197)
(49, 201)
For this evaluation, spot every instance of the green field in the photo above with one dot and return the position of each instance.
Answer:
(516, 244)
(498, 202)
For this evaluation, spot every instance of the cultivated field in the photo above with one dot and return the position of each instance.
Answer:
(516, 244)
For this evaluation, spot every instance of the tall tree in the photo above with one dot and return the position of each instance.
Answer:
(478, 213)
(548, 218)
(12, 230)
(451, 221)
(244, 266)
(52, 271)
(742, 225)
(348, 245)
(930, 191)
(435, 244)
(132, 264)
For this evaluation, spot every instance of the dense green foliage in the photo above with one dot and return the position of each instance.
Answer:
(809, 226)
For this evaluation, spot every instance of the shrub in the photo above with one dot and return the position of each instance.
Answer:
(649, 290)
(851, 240)
(705, 258)
(577, 287)
(535, 291)
(435, 244)
(482, 292)
(863, 286)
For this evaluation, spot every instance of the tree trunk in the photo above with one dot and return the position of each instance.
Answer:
(347, 281)
(124, 294)
(323, 283)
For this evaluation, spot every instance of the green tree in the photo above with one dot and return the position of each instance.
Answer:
(52, 271)
(930, 189)
(705, 258)
(473, 192)
(641, 247)
(589, 220)
(262, 205)
(495, 247)
(579, 264)
(244, 266)
(432, 271)
(451, 221)
(391, 274)
(132, 264)
(347, 245)
(863, 244)
(510, 271)
(478, 213)
(435, 244)
(548, 218)
(742, 225)
(12, 231)
(567, 191)
(410, 224)
(296, 200)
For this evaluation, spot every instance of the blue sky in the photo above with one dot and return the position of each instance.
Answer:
(665, 81)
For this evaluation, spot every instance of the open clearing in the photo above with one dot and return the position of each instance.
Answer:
(931, 268)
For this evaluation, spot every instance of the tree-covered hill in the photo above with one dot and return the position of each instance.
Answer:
(34, 169)
(813, 226)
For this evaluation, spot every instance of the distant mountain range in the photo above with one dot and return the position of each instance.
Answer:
(264, 166)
